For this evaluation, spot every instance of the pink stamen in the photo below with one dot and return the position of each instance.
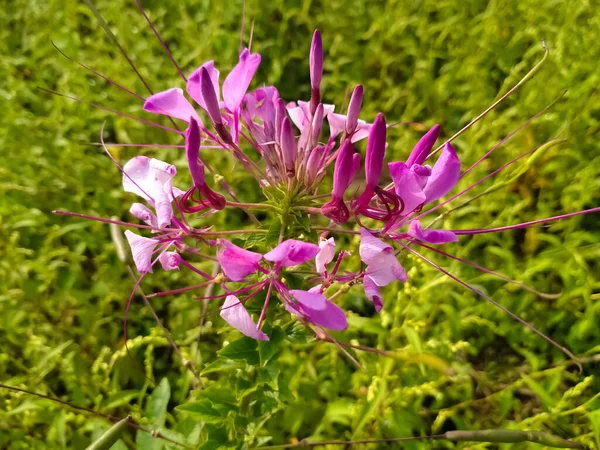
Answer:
(525, 224)
(492, 301)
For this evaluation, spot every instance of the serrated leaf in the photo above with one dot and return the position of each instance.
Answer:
(223, 365)
(272, 236)
(243, 348)
(268, 349)
(201, 410)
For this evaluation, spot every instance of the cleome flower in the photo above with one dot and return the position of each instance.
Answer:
(310, 185)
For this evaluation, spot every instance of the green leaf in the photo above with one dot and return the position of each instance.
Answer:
(156, 411)
(272, 236)
(268, 349)
(244, 348)
(201, 410)
(223, 365)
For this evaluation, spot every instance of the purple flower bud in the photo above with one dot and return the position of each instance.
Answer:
(342, 171)
(316, 69)
(347, 164)
(423, 147)
(210, 97)
(373, 160)
(317, 123)
(375, 151)
(192, 152)
(280, 114)
(354, 109)
(313, 164)
(288, 147)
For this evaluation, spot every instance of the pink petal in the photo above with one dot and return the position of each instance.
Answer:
(386, 269)
(237, 82)
(318, 310)
(444, 175)
(235, 261)
(408, 186)
(194, 84)
(337, 124)
(325, 255)
(292, 253)
(171, 103)
(332, 317)
(312, 300)
(432, 236)
(141, 249)
(151, 179)
(236, 315)
(143, 213)
(170, 260)
(372, 292)
(371, 247)
(362, 131)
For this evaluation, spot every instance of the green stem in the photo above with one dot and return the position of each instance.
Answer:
(502, 436)
(111, 436)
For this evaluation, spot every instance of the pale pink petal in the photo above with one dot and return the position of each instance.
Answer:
(143, 213)
(170, 260)
(385, 269)
(444, 175)
(237, 82)
(141, 249)
(296, 113)
(194, 84)
(432, 236)
(236, 315)
(325, 255)
(372, 293)
(152, 180)
(362, 131)
(371, 247)
(337, 124)
(136, 178)
(171, 103)
(292, 253)
(235, 261)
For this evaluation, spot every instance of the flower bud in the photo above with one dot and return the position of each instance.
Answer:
(354, 109)
(316, 69)
(288, 147)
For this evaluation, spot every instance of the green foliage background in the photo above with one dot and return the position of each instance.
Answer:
(461, 363)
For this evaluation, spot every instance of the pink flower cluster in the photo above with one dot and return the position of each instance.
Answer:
(295, 161)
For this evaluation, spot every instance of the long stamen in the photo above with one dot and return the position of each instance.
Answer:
(563, 349)
(114, 160)
(264, 309)
(493, 149)
(98, 74)
(104, 108)
(488, 271)
(521, 82)
(526, 224)
(180, 290)
(164, 45)
(116, 222)
(477, 183)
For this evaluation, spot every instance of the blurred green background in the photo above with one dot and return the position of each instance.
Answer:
(463, 364)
